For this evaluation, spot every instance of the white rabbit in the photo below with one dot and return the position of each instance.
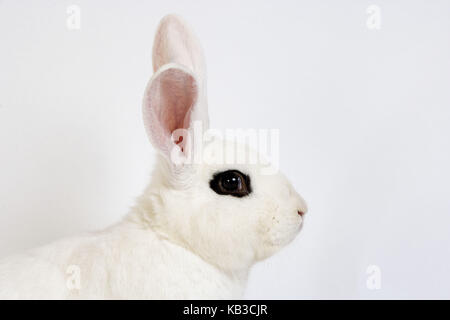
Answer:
(197, 228)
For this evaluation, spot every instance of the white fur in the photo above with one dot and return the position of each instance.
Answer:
(181, 240)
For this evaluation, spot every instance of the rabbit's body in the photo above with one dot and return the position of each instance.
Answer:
(126, 261)
(198, 227)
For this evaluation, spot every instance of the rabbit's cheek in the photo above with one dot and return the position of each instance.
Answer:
(285, 231)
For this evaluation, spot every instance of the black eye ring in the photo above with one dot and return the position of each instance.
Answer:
(231, 182)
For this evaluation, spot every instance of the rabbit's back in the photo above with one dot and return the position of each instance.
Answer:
(39, 273)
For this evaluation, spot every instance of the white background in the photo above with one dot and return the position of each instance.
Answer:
(364, 118)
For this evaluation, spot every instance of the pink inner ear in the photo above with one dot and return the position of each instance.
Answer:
(168, 105)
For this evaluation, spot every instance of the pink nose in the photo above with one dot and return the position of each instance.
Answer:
(301, 213)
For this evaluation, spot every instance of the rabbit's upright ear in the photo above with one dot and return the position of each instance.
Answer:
(176, 95)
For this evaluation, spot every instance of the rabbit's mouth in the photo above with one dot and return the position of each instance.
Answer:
(300, 227)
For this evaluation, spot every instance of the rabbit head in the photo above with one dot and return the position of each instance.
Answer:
(229, 213)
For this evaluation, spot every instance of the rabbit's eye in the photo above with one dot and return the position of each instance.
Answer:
(231, 182)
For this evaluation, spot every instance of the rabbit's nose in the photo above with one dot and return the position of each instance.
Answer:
(300, 213)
